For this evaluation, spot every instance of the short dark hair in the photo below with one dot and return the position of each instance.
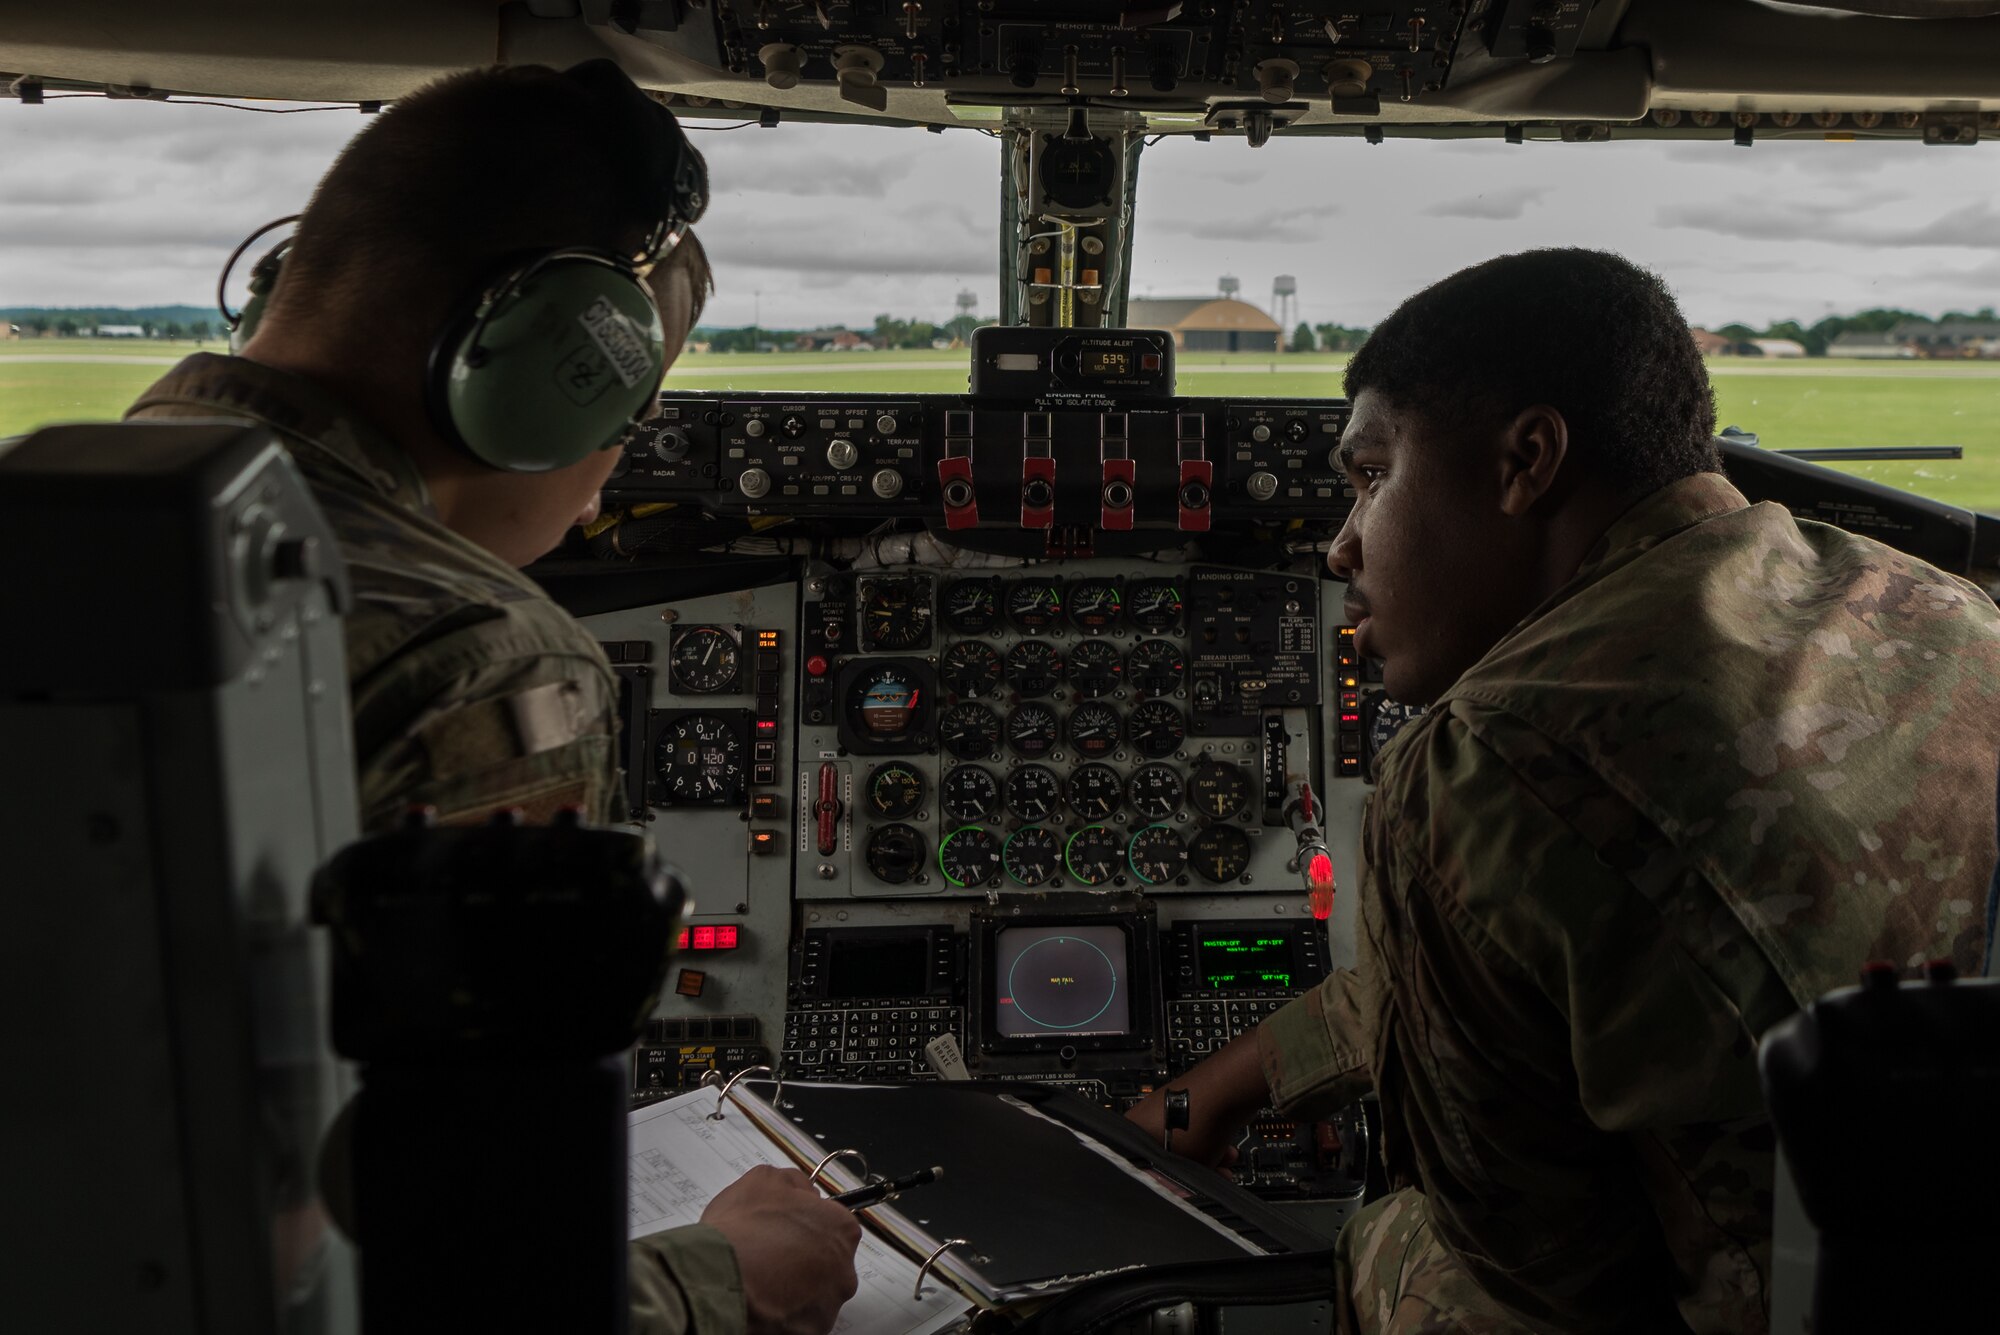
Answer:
(470, 172)
(1586, 332)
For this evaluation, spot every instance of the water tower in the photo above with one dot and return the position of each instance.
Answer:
(1227, 286)
(967, 299)
(1285, 304)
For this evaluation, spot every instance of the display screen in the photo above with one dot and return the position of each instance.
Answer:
(865, 967)
(1106, 361)
(1062, 982)
(1232, 960)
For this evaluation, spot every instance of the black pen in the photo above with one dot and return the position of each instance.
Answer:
(877, 1192)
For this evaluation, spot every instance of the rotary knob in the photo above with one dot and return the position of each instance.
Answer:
(670, 445)
(885, 425)
(755, 428)
(842, 454)
(755, 483)
(887, 484)
(781, 64)
(1262, 486)
(1260, 433)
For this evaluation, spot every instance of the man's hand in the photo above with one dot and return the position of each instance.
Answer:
(794, 1247)
(1223, 1093)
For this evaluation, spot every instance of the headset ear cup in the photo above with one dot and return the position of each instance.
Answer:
(570, 354)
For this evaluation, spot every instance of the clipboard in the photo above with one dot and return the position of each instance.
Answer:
(1048, 1205)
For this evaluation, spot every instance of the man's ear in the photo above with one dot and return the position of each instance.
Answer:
(1532, 449)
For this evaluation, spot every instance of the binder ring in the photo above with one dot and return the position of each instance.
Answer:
(917, 1294)
(730, 1084)
(813, 1176)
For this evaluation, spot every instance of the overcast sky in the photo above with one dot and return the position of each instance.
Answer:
(130, 204)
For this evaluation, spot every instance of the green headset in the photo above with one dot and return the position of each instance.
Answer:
(560, 354)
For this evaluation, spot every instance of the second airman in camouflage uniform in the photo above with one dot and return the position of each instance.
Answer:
(1722, 759)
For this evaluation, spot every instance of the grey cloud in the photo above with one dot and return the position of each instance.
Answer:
(1975, 224)
(1283, 227)
(1503, 204)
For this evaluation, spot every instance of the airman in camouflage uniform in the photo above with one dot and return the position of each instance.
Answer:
(1699, 782)
(472, 691)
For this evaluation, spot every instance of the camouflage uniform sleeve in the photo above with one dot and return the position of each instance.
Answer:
(478, 720)
(685, 1282)
(1315, 1050)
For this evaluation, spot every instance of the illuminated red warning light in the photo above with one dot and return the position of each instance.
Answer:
(710, 938)
(1319, 878)
(704, 938)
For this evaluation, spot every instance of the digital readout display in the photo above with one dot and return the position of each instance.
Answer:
(898, 967)
(1062, 982)
(1229, 961)
(1106, 361)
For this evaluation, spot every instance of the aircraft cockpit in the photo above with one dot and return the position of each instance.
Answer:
(1007, 726)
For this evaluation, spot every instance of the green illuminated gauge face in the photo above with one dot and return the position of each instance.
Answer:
(1033, 791)
(895, 791)
(1094, 855)
(1032, 855)
(969, 856)
(1094, 605)
(1032, 730)
(1035, 604)
(1219, 854)
(1034, 668)
(1093, 730)
(1157, 855)
(895, 853)
(1155, 666)
(703, 661)
(1153, 604)
(896, 614)
(1156, 729)
(969, 793)
(1154, 791)
(1218, 790)
(1093, 791)
(970, 668)
(1094, 668)
(972, 606)
(969, 732)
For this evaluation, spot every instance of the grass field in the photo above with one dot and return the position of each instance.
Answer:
(1821, 402)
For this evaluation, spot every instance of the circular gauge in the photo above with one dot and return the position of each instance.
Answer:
(970, 668)
(1153, 604)
(1093, 605)
(969, 732)
(1155, 791)
(896, 614)
(704, 660)
(1032, 855)
(1033, 791)
(1219, 853)
(1156, 855)
(969, 792)
(699, 760)
(972, 606)
(1094, 855)
(1077, 173)
(1031, 731)
(969, 855)
(1093, 730)
(1381, 719)
(1033, 667)
(1035, 604)
(1094, 668)
(1218, 790)
(1093, 791)
(1156, 729)
(895, 791)
(1155, 666)
(895, 853)
(886, 703)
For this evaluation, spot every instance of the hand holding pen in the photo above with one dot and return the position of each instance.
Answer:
(887, 1190)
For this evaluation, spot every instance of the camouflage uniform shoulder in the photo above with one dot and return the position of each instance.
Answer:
(470, 687)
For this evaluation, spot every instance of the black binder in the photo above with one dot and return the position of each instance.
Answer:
(1049, 1197)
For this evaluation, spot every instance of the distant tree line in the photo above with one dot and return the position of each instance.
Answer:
(197, 322)
(1817, 337)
